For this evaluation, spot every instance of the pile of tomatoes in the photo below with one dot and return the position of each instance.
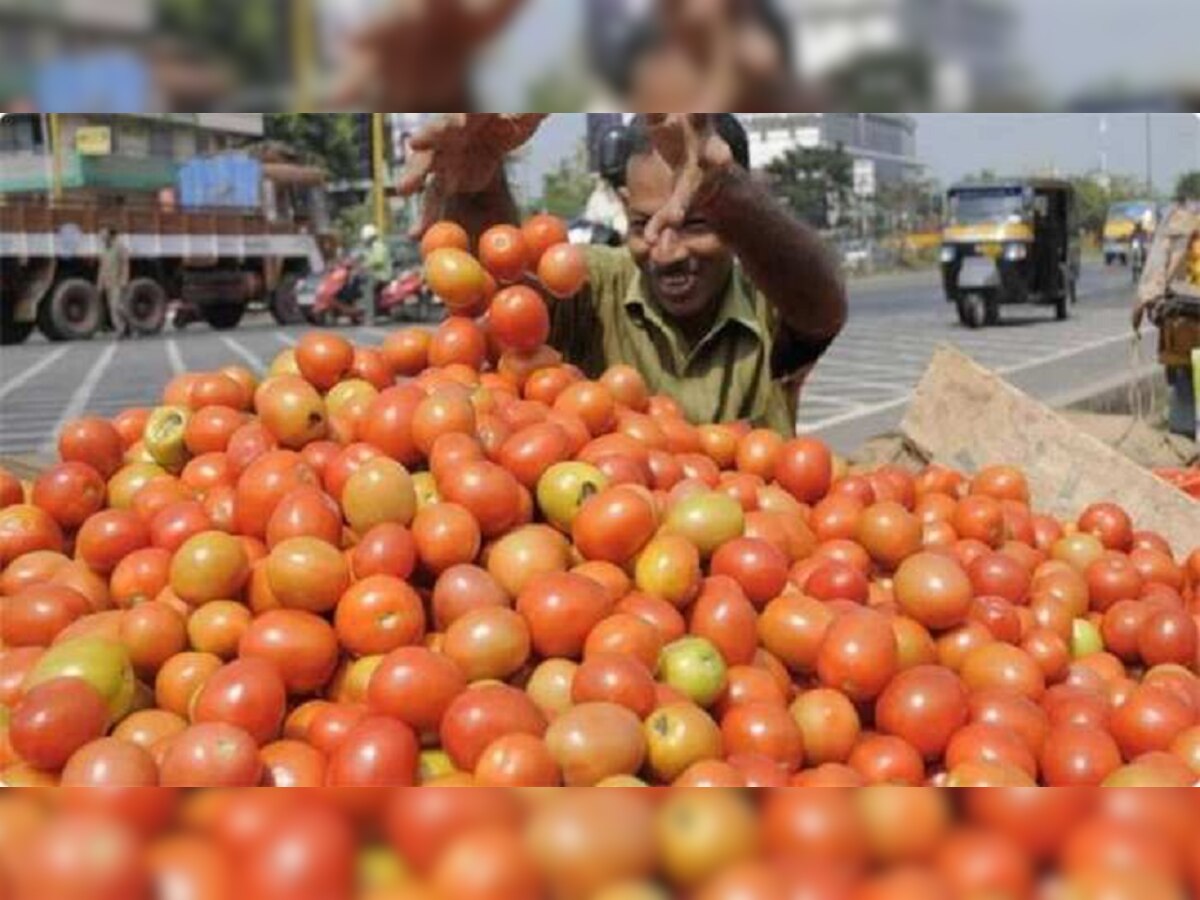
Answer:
(455, 559)
(1187, 480)
(878, 843)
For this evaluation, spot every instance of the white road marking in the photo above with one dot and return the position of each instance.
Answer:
(888, 405)
(11, 384)
(174, 357)
(286, 339)
(83, 393)
(251, 360)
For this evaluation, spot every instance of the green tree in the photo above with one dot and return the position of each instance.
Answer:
(244, 35)
(816, 182)
(1094, 196)
(565, 190)
(331, 140)
(1188, 186)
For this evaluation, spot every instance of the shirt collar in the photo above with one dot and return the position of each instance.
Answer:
(736, 308)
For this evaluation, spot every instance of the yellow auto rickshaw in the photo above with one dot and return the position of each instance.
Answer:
(1013, 241)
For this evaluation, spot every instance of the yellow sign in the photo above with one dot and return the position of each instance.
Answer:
(992, 250)
(94, 141)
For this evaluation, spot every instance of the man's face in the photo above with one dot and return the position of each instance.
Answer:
(689, 267)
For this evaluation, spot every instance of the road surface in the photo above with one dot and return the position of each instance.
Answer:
(859, 389)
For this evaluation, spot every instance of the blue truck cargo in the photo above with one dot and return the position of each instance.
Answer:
(228, 181)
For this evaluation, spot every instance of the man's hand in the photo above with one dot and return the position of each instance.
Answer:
(462, 155)
(690, 145)
(417, 54)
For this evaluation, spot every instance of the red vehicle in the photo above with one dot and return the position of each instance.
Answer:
(338, 294)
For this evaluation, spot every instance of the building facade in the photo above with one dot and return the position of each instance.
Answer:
(882, 145)
(126, 155)
(969, 45)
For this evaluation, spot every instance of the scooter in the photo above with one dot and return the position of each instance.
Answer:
(407, 298)
(324, 299)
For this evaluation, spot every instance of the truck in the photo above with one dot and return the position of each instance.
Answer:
(228, 233)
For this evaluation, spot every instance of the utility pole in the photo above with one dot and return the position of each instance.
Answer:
(56, 158)
(379, 185)
(303, 52)
(1150, 153)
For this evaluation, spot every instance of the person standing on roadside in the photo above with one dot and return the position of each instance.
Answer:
(112, 279)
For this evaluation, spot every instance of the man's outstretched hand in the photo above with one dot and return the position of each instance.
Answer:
(417, 53)
(697, 155)
(461, 155)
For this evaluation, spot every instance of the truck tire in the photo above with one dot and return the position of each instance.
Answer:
(224, 316)
(12, 331)
(72, 311)
(972, 310)
(146, 306)
(284, 308)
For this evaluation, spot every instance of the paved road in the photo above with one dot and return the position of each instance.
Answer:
(858, 390)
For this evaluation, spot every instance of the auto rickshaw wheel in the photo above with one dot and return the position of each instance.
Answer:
(972, 310)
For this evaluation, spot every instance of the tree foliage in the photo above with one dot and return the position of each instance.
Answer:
(816, 182)
(1094, 196)
(244, 35)
(332, 140)
(565, 190)
(1188, 186)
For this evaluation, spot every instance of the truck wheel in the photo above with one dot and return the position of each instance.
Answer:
(284, 308)
(146, 306)
(72, 311)
(223, 316)
(972, 310)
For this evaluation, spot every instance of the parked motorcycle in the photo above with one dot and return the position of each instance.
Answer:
(339, 294)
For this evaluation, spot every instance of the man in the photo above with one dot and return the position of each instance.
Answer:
(377, 263)
(112, 278)
(721, 298)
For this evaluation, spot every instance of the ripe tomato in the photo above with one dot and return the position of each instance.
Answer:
(25, 528)
(489, 642)
(561, 609)
(263, 484)
(379, 614)
(443, 235)
(305, 511)
(763, 728)
(70, 492)
(211, 754)
(563, 270)
(488, 492)
(503, 252)
(376, 752)
(407, 350)
(36, 615)
(457, 278)
(804, 468)
(54, 719)
(302, 645)
(60, 860)
(379, 491)
(758, 567)
(858, 654)
(615, 524)
(541, 232)
(593, 741)
(210, 566)
(92, 441)
(248, 693)
(152, 632)
(307, 573)
(291, 410)
(934, 590)
(477, 717)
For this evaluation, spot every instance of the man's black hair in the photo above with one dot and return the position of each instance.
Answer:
(637, 142)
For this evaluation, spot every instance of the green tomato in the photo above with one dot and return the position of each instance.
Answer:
(564, 487)
(380, 868)
(695, 668)
(103, 664)
(708, 520)
(1085, 639)
(163, 437)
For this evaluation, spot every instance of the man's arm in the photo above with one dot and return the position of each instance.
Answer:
(784, 258)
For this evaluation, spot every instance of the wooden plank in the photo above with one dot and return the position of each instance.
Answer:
(966, 416)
